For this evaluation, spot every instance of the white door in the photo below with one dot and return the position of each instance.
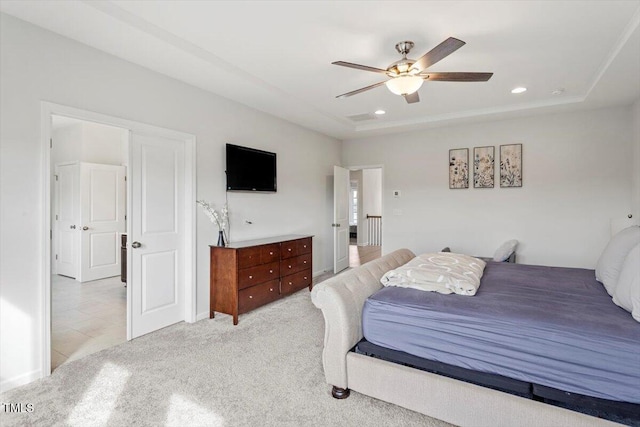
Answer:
(156, 242)
(67, 219)
(340, 218)
(102, 211)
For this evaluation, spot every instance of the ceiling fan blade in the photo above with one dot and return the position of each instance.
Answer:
(360, 67)
(364, 89)
(439, 52)
(412, 98)
(457, 77)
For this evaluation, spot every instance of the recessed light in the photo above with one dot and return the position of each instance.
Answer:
(380, 112)
(519, 90)
(558, 91)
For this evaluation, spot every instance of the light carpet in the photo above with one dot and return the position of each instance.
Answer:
(266, 371)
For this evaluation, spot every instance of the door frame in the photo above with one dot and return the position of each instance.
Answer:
(47, 109)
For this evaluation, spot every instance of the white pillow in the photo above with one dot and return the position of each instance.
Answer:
(612, 257)
(627, 293)
(505, 250)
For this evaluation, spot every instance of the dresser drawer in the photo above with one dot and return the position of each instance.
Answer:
(269, 253)
(258, 295)
(253, 275)
(289, 249)
(295, 282)
(248, 257)
(295, 264)
(304, 246)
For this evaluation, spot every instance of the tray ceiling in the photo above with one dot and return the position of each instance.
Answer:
(276, 56)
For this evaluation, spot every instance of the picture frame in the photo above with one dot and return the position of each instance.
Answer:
(459, 168)
(484, 167)
(511, 165)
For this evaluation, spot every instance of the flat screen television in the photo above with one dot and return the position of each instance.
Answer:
(249, 169)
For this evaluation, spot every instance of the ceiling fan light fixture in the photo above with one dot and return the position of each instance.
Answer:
(404, 85)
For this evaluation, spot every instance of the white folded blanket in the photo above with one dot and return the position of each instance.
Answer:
(442, 272)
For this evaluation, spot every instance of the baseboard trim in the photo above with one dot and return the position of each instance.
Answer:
(202, 316)
(23, 379)
(318, 273)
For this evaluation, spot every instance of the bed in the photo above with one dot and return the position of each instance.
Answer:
(459, 358)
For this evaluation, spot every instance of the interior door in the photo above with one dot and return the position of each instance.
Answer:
(340, 218)
(156, 240)
(67, 218)
(102, 201)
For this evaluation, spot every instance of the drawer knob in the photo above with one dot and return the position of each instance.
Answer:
(289, 249)
(250, 277)
(289, 266)
(290, 283)
(304, 246)
(271, 253)
(270, 271)
(250, 296)
(271, 289)
(305, 277)
(304, 262)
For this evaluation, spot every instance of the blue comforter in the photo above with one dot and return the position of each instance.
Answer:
(546, 325)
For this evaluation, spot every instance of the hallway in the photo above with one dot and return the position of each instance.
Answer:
(359, 255)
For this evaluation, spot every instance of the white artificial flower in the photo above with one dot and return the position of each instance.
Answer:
(220, 219)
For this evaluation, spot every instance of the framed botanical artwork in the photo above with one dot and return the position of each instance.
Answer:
(484, 167)
(459, 168)
(511, 165)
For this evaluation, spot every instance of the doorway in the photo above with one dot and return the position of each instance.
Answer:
(157, 159)
(365, 215)
(88, 194)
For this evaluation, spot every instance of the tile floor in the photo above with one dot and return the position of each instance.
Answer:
(86, 317)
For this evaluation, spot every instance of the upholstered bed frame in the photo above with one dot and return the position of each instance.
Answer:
(341, 300)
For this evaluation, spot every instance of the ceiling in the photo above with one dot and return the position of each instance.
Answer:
(276, 56)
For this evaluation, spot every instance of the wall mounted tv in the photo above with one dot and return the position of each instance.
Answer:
(249, 169)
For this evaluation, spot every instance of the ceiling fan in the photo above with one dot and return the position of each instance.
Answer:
(407, 75)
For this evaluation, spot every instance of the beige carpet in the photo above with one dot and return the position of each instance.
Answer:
(266, 371)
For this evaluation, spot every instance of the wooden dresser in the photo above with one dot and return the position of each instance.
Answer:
(247, 275)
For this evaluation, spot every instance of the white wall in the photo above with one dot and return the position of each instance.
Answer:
(89, 142)
(372, 191)
(103, 144)
(68, 144)
(576, 178)
(38, 65)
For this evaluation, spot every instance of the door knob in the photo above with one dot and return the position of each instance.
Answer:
(85, 228)
(73, 227)
(136, 245)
